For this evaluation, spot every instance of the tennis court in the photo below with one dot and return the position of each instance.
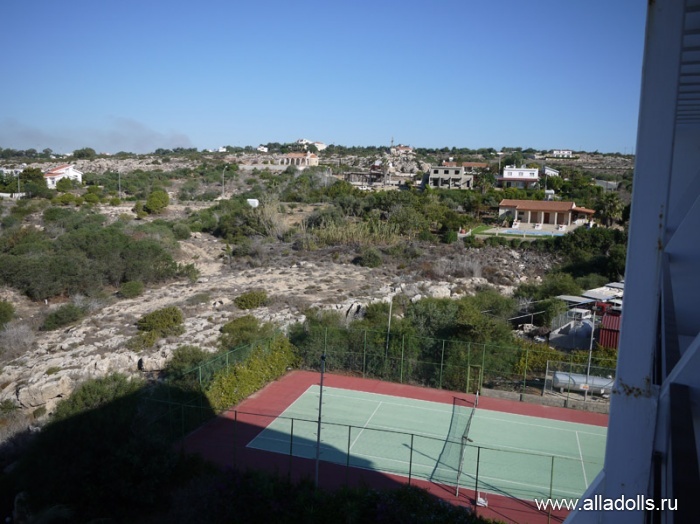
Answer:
(514, 455)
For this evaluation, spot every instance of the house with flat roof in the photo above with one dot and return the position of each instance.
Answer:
(446, 177)
(520, 177)
(544, 212)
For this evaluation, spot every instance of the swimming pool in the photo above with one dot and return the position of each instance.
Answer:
(530, 232)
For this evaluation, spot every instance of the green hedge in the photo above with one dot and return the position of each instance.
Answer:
(251, 300)
(167, 321)
(265, 364)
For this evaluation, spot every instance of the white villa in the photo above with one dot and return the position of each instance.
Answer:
(60, 172)
(519, 177)
(562, 153)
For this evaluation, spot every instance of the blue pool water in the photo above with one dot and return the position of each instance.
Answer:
(531, 232)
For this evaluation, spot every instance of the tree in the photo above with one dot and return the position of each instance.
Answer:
(609, 208)
(84, 153)
(63, 185)
(157, 201)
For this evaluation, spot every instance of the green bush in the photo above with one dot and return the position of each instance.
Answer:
(184, 359)
(243, 330)
(144, 340)
(265, 364)
(449, 237)
(181, 231)
(114, 201)
(131, 289)
(251, 300)
(157, 201)
(7, 312)
(472, 241)
(370, 257)
(164, 322)
(62, 316)
(91, 198)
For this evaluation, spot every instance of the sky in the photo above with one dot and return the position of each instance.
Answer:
(138, 75)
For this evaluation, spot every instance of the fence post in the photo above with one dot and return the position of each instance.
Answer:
(401, 369)
(476, 479)
(469, 365)
(483, 367)
(442, 362)
(347, 462)
(227, 361)
(410, 460)
(527, 354)
(200, 375)
(364, 354)
(568, 382)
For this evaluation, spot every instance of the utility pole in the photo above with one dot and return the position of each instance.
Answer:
(590, 355)
(223, 181)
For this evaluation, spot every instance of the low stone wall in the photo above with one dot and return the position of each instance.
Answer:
(594, 406)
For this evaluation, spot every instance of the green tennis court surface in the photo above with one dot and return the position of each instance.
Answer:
(518, 456)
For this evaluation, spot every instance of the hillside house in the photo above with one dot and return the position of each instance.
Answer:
(401, 150)
(65, 171)
(562, 153)
(544, 212)
(444, 177)
(299, 159)
(470, 167)
(519, 177)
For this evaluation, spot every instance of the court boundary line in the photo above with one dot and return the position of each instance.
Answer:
(448, 411)
(400, 474)
(365, 426)
(275, 417)
(583, 467)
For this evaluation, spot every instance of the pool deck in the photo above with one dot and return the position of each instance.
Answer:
(525, 230)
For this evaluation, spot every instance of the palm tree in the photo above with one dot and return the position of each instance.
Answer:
(609, 208)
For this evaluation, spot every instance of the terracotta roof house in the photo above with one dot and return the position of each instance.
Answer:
(299, 159)
(544, 212)
(60, 172)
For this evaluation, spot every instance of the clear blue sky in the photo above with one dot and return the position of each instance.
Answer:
(135, 75)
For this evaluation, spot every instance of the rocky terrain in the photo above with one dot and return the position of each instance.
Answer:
(96, 346)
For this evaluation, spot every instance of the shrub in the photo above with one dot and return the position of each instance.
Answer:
(181, 231)
(144, 340)
(7, 311)
(251, 300)
(114, 201)
(472, 241)
(184, 359)
(449, 237)
(496, 241)
(131, 289)
(52, 370)
(157, 201)
(188, 271)
(164, 322)
(264, 365)
(64, 315)
(370, 257)
(91, 198)
(243, 330)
